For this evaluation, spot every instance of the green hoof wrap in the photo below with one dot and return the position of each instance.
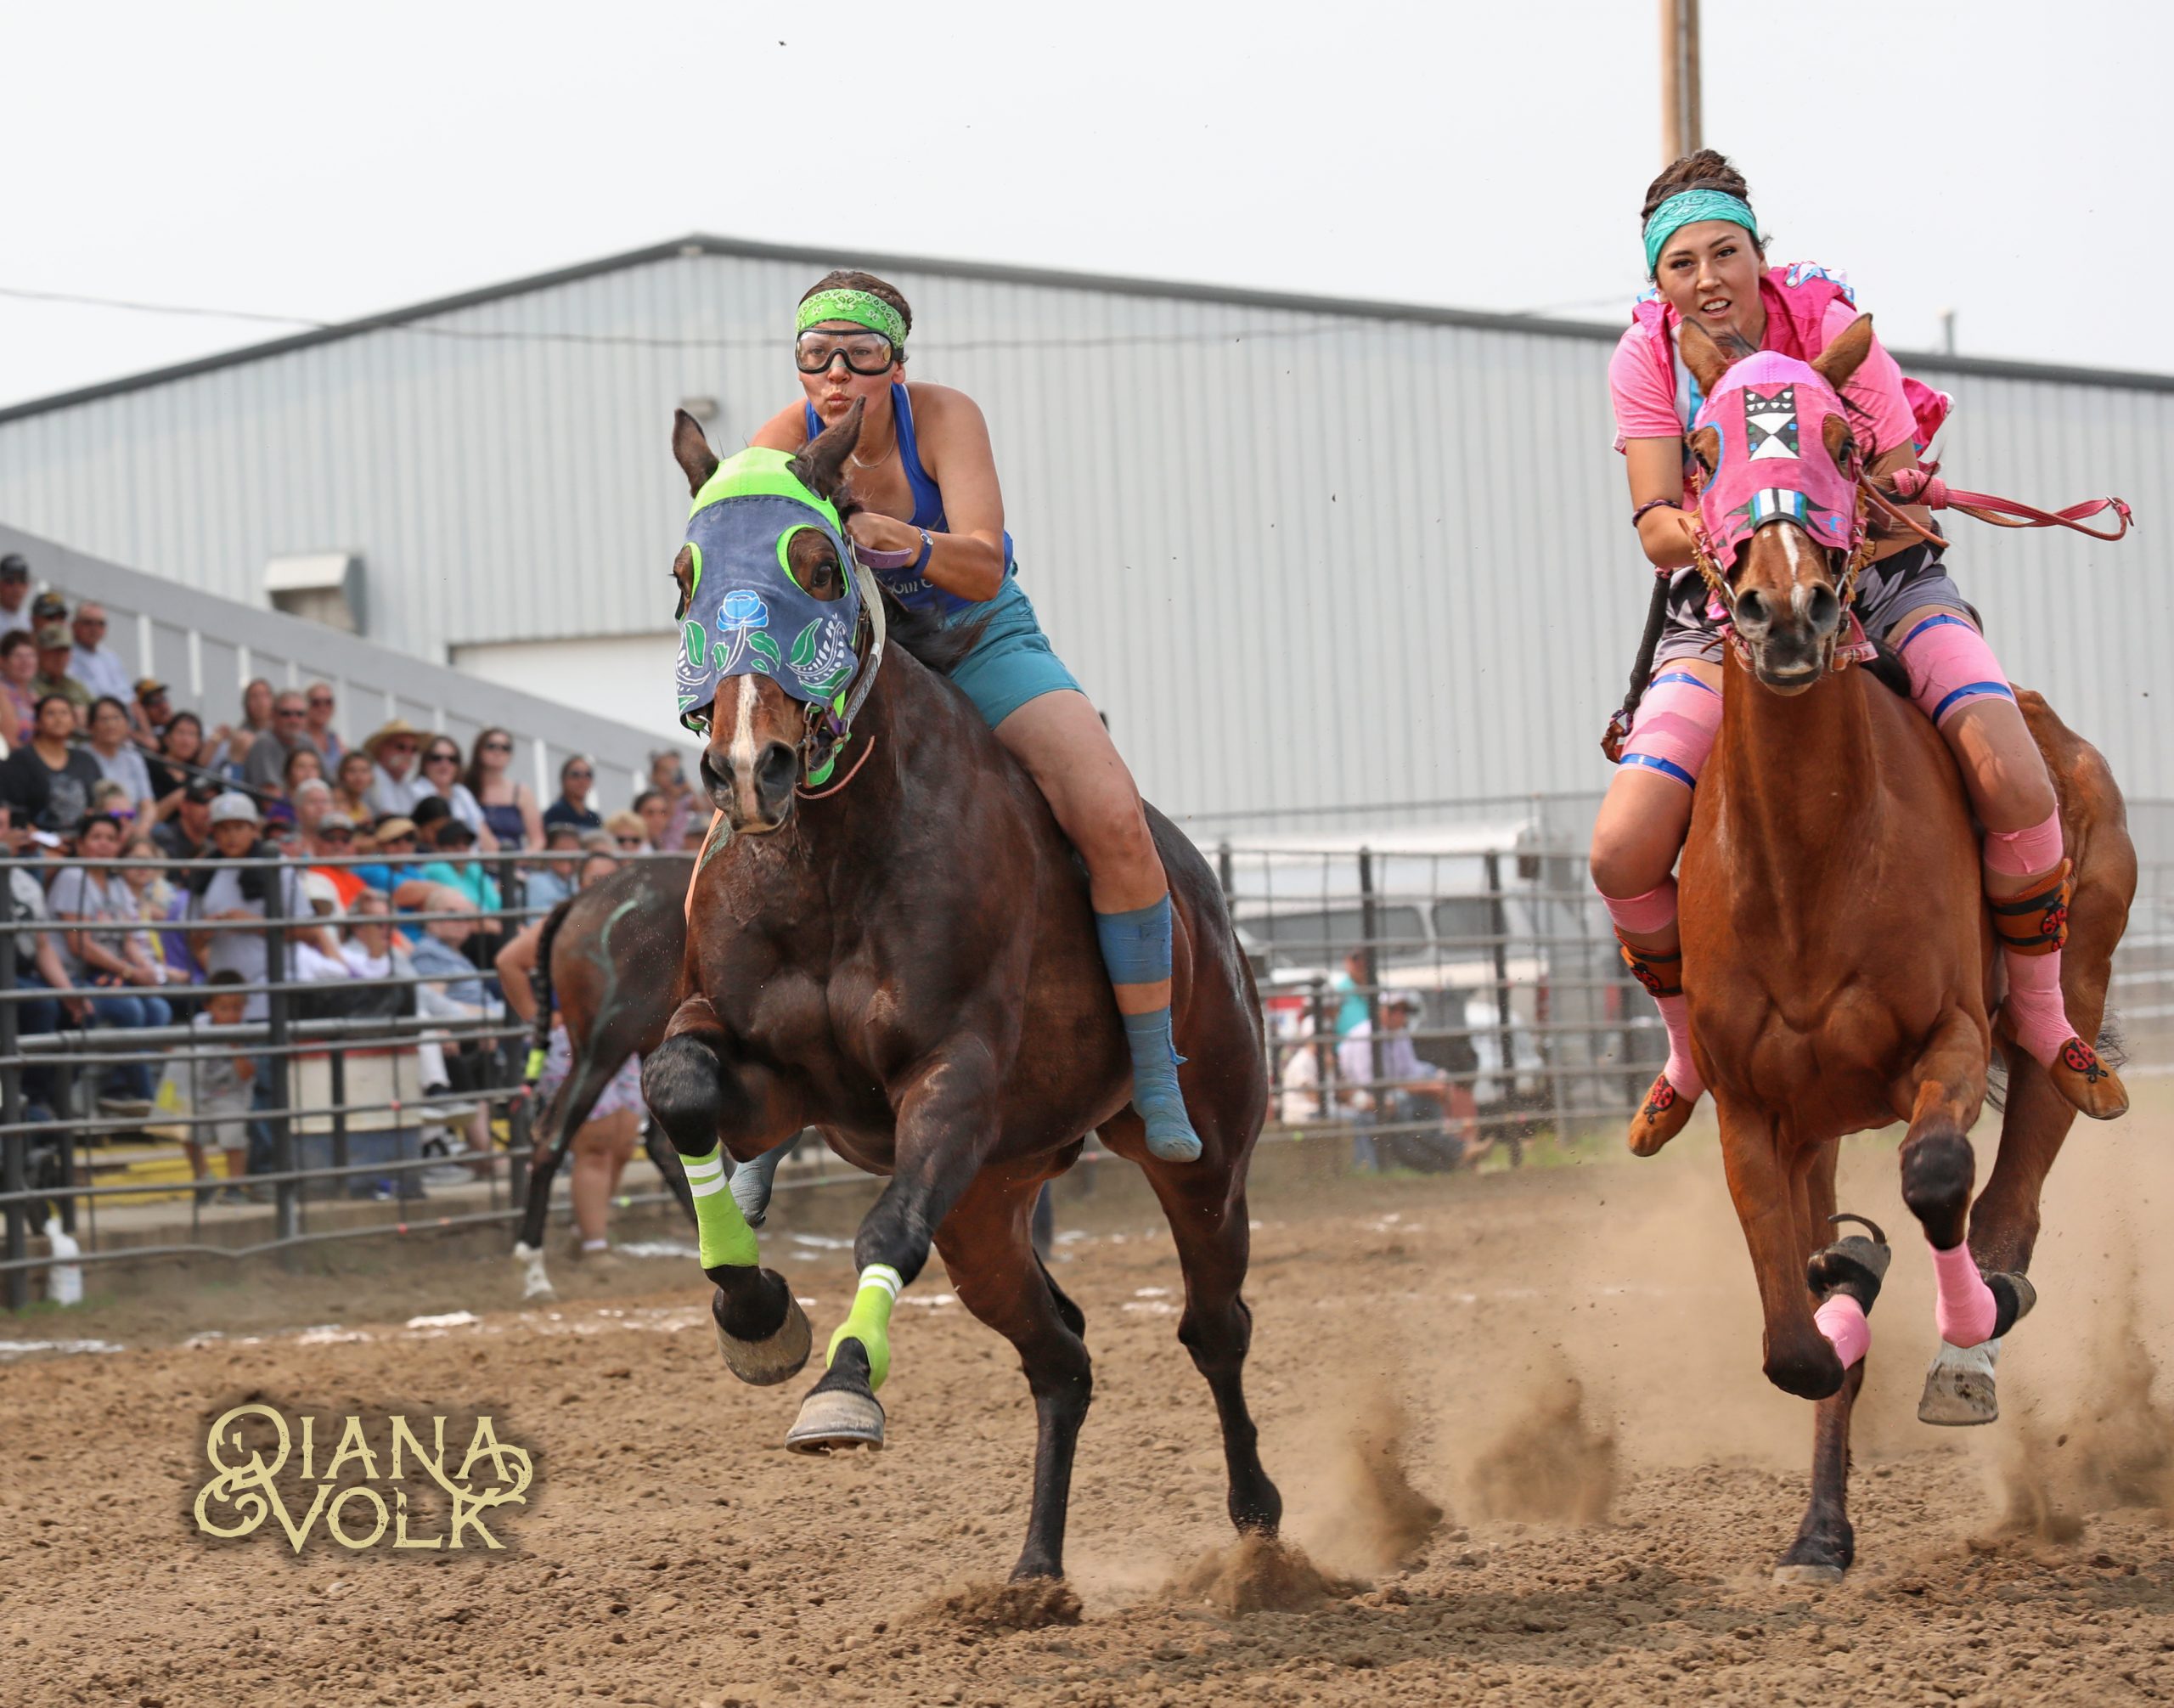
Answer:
(725, 1237)
(869, 1321)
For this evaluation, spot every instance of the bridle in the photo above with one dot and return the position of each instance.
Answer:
(827, 728)
(1836, 653)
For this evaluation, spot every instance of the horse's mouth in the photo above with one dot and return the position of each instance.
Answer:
(1788, 683)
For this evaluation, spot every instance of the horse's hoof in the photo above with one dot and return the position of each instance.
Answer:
(1665, 1113)
(1856, 1264)
(835, 1417)
(1959, 1386)
(535, 1282)
(2080, 1075)
(765, 1363)
(1808, 1577)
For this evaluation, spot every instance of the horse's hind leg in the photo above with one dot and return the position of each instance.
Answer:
(986, 1243)
(697, 1100)
(1205, 1204)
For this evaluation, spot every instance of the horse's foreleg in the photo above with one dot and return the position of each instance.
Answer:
(1771, 1206)
(1207, 1212)
(947, 1120)
(1825, 1543)
(699, 1101)
(987, 1246)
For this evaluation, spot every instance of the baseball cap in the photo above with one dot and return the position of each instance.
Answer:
(146, 686)
(453, 830)
(53, 635)
(202, 789)
(48, 605)
(13, 568)
(234, 807)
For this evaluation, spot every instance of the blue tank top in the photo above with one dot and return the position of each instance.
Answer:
(913, 591)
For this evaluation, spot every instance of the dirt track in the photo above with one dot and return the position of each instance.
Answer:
(1611, 1547)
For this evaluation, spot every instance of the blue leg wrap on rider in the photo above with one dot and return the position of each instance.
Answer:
(1136, 950)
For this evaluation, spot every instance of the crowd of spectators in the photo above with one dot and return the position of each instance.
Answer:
(99, 769)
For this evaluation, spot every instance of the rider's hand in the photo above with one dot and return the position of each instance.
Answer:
(882, 532)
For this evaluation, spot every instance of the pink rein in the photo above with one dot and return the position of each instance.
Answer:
(1923, 485)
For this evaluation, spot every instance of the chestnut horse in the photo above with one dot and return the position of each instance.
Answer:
(1838, 955)
(598, 956)
(889, 939)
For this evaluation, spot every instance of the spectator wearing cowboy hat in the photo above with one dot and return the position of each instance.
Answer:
(55, 651)
(94, 664)
(396, 781)
(394, 839)
(14, 593)
(150, 712)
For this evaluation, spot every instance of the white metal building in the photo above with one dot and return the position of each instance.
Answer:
(1305, 553)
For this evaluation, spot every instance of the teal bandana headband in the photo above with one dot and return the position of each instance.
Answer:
(1689, 207)
(862, 307)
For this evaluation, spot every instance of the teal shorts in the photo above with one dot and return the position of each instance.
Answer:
(1011, 663)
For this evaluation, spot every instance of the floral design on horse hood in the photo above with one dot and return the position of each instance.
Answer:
(746, 614)
(1770, 412)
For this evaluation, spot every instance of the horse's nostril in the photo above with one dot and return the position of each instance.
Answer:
(775, 771)
(1824, 609)
(1750, 607)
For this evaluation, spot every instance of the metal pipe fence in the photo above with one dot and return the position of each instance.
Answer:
(1430, 997)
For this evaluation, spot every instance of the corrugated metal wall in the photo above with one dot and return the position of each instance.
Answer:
(1301, 558)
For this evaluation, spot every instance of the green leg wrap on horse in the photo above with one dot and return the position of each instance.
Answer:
(726, 1238)
(869, 1321)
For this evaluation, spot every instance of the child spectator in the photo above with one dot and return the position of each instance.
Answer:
(215, 1083)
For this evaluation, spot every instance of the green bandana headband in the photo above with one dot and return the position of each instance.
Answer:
(862, 307)
(1689, 207)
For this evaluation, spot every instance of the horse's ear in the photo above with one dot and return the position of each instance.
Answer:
(821, 464)
(1845, 355)
(1706, 446)
(692, 452)
(1702, 356)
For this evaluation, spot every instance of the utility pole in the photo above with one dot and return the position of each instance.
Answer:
(1679, 104)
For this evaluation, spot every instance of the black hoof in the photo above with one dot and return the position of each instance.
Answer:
(1854, 1264)
(841, 1410)
(1817, 1559)
(767, 1340)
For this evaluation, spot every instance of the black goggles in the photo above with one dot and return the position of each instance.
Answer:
(865, 352)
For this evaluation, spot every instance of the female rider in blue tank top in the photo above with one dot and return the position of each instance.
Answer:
(926, 478)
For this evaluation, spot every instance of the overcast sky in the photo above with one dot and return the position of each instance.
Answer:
(2005, 160)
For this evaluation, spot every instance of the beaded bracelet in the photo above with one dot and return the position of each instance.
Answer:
(1638, 515)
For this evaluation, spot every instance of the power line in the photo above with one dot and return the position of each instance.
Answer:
(1324, 326)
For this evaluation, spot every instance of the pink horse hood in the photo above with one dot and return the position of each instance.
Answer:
(1770, 412)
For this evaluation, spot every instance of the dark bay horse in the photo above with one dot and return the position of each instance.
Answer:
(904, 955)
(1838, 960)
(599, 955)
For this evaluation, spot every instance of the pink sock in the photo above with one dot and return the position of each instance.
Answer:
(1965, 1309)
(1842, 1321)
(1675, 1015)
(2033, 1006)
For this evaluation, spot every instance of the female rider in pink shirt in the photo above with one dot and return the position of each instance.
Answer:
(1708, 266)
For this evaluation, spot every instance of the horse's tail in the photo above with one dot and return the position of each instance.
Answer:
(539, 1029)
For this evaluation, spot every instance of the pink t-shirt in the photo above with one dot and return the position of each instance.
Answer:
(1647, 401)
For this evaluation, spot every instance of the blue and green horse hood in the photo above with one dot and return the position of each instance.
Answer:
(746, 614)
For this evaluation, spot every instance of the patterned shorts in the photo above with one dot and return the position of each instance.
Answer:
(623, 1092)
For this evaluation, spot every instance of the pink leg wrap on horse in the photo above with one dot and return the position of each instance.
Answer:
(1950, 667)
(1842, 1319)
(1675, 730)
(1965, 1310)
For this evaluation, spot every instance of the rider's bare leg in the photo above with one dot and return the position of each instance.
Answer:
(1062, 743)
(1956, 678)
(1636, 838)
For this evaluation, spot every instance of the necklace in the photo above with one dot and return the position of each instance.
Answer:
(853, 457)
